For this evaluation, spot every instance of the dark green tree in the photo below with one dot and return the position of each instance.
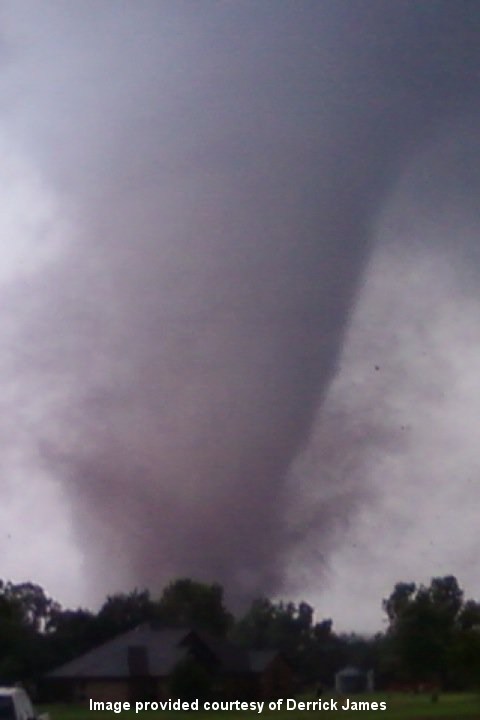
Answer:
(189, 603)
(25, 614)
(422, 630)
(71, 633)
(35, 607)
(122, 612)
(312, 649)
(398, 602)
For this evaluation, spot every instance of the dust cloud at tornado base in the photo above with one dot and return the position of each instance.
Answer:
(210, 215)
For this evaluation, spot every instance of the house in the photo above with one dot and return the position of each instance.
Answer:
(138, 665)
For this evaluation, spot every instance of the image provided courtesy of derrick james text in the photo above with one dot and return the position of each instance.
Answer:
(258, 707)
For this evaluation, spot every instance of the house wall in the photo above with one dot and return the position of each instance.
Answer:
(75, 690)
(105, 690)
(162, 688)
(235, 687)
(276, 681)
(126, 690)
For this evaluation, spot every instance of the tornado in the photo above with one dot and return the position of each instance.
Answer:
(212, 175)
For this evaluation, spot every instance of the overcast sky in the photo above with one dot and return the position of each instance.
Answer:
(401, 416)
(240, 298)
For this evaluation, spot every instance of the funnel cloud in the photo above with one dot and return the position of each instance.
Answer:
(204, 185)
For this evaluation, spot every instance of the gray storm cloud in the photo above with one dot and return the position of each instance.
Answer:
(217, 169)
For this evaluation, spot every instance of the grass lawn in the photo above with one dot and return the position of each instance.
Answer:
(399, 707)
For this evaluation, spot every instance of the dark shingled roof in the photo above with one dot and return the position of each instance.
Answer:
(230, 658)
(157, 651)
(163, 651)
(350, 671)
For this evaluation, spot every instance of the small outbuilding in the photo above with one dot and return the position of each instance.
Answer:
(353, 680)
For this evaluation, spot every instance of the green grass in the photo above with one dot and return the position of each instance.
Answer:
(399, 707)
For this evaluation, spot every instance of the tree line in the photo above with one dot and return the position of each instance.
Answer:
(432, 634)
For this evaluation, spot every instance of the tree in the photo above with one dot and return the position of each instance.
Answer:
(469, 616)
(423, 623)
(280, 626)
(34, 606)
(399, 600)
(447, 598)
(254, 629)
(71, 633)
(122, 612)
(14, 638)
(186, 602)
(25, 615)
(311, 648)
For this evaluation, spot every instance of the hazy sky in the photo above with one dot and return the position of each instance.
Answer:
(238, 276)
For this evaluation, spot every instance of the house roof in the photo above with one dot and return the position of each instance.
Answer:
(163, 651)
(350, 671)
(156, 651)
(229, 657)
